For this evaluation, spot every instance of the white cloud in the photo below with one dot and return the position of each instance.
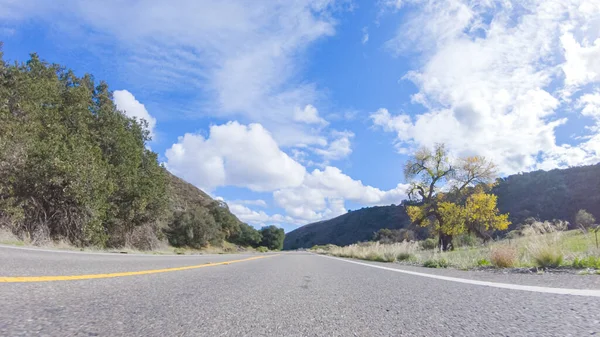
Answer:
(308, 115)
(256, 202)
(489, 78)
(235, 155)
(365, 36)
(323, 192)
(260, 218)
(233, 59)
(126, 102)
(339, 148)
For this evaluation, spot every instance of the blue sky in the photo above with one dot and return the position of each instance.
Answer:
(296, 111)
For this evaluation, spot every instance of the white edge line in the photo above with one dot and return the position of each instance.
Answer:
(537, 289)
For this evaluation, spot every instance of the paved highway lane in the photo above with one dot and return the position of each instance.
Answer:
(290, 294)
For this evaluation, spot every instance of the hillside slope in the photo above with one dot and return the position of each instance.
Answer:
(348, 228)
(546, 195)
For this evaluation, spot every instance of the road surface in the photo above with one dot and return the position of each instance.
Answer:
(287, 294)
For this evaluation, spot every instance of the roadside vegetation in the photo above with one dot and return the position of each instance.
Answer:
(454, 200)
(76, 171)
(541, 245)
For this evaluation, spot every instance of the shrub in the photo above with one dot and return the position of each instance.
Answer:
(483, 263)
(403, 256)
(587, 262)
(548, 257)
(389, 257)
(466, 240)
(584, 219)
(373, 256)
(436, 263)
(428, 244)
(262, 249)
(504, 256)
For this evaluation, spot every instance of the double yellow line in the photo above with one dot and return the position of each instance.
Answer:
(19, 279)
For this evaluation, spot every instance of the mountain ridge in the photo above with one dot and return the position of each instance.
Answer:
(560, 193)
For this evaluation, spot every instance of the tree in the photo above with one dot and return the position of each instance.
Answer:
(247, 236)
(272, 237)
(450, 211)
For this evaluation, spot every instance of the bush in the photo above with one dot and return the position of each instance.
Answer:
(262, 249)
(587, 262)
(403, 256)
(548, 257)
(428, 244)
(584, 219)
(466, 240)
(436, 263)
(373, 256)
(504, 257)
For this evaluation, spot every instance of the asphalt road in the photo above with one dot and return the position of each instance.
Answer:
(289, 294)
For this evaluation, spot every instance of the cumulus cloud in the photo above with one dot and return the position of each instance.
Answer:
(234, 154)
(494, 75)
(126, 102)
(308, 115)
(323, 192)
(337, 149)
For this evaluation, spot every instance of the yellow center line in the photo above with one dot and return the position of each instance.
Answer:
(17, 279)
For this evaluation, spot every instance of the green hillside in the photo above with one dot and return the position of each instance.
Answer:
(545, 195)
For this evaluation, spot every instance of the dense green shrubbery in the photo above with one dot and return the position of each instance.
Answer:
(272, 237)
(74, 167)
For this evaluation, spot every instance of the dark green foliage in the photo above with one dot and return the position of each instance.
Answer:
(194, 228)
(247, 236)
(272, 237)
(546, 195)
(71, 165)
(386, 235)
(74, 167)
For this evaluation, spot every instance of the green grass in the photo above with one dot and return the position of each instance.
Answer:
(587, 262)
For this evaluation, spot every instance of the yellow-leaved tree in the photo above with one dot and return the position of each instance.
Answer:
(450, 195)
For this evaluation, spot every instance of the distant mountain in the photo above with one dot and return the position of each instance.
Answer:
(349, 228)
(546, 195)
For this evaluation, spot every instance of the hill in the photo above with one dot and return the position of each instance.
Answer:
(349, 228)
(545, 195)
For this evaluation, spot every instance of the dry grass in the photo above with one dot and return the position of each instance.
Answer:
(375, 251)
(504, 256)
(546, 250)
(551, 249)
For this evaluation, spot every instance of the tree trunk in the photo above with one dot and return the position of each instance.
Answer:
(445, 242)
